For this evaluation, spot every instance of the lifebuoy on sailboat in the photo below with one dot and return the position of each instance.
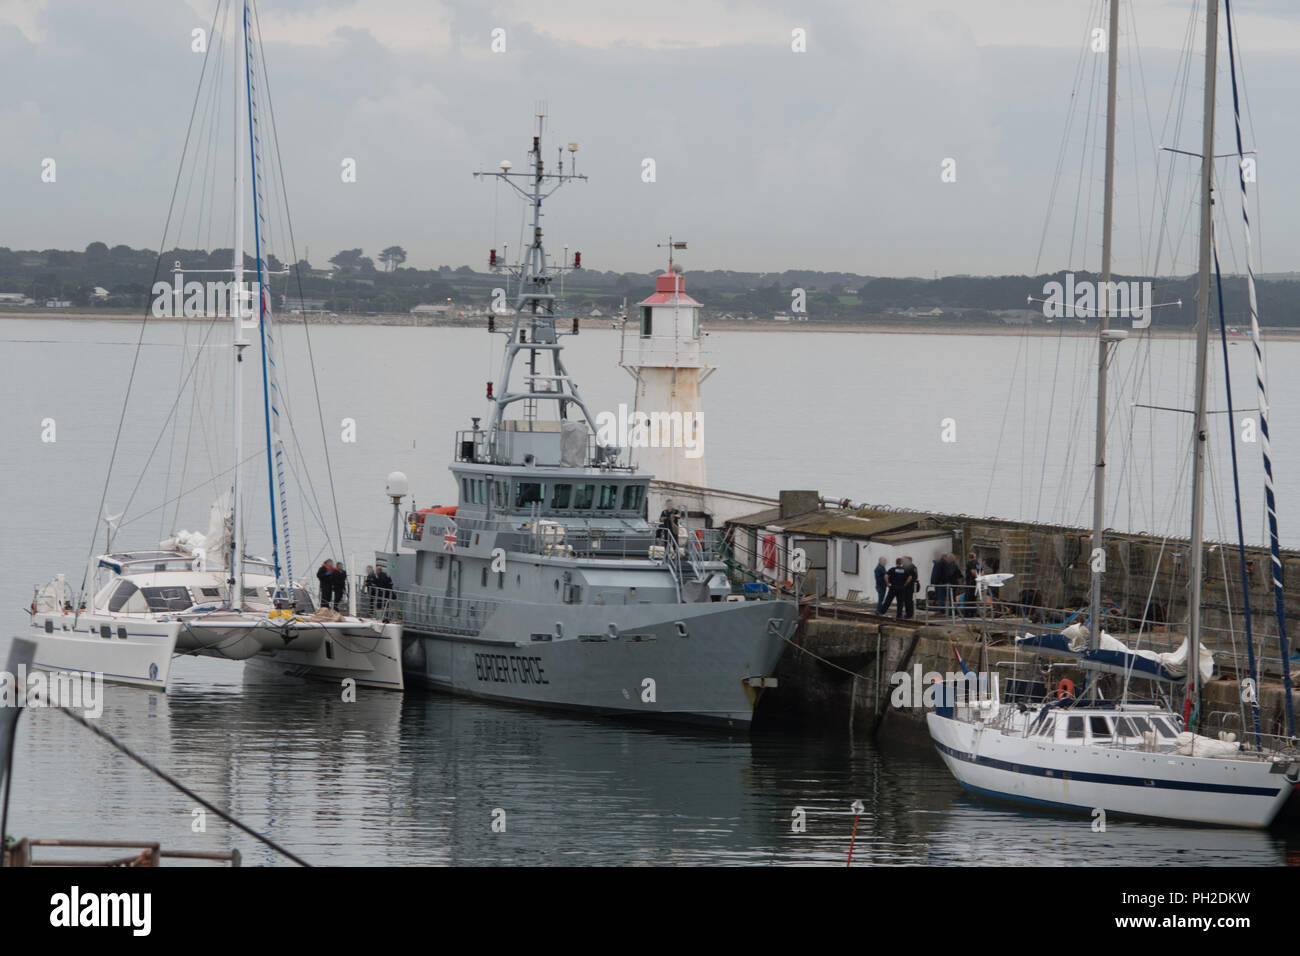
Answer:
(1065, 688)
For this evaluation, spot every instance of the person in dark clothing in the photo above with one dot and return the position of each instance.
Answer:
(368, 587)
(325, 575)
(946, 575)
(913, 587)
(340, 577)
(900, 587)
(667, 523)
(882, 569)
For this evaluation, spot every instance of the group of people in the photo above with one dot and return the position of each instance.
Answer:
(333, 580)
(901, 582)
(333, 585)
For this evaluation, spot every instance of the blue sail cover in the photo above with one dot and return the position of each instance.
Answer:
(1113, 662)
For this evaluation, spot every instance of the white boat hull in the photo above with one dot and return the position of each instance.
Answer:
(139, 651)
(1127, 782)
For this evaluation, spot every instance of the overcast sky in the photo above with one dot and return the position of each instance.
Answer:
(765, 158)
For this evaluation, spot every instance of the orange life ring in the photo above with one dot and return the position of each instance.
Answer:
(1065, 688)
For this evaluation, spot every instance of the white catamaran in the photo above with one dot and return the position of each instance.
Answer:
(201, 593)
(1137, 759)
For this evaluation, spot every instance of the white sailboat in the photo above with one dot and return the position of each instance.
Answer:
(202, 593)
(1134, 759)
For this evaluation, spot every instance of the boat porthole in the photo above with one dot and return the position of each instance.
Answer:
(49, 626)
(121, 634)
(105, 631)
(681, 629)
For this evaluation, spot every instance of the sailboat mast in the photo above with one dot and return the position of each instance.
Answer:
(1103, 341)
(238, 342)
(1200, 428)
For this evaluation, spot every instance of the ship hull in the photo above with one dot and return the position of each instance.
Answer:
(1134, 783)
(700, 664)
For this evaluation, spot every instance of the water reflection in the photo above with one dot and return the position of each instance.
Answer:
(416, 778)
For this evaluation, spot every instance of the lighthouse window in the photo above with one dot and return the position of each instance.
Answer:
(645, 321)
(529, 492)
(560, 498)
(608, 497)
(582, 495)
(632, 497)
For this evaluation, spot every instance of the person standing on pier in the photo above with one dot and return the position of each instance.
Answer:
(882, 571)
(900, 588)
(914, 585)
(946, 577)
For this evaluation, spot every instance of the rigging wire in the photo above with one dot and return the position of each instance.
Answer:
(135, 359)
(173, 782)
(293, 249)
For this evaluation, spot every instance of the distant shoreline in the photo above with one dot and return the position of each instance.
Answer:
(914, 327)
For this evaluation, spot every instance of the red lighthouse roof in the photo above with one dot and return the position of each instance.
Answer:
(670, 288)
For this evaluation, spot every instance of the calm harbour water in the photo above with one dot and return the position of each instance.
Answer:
(416, 778)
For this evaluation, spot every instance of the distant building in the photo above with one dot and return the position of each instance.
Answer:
(440, 309)
(58, 303)
(15, 298)
(100, 293)
(295, 304)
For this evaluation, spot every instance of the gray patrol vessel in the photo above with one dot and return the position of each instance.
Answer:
(545, 584)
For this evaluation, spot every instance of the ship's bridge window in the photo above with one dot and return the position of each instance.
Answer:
(583, 495)
(170, 598)
(561, 495)
(127, 599)
(632, 495)
(608, 497)
(480, 492)
(529, 492)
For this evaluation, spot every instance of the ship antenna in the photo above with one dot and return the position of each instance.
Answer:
(534, 329)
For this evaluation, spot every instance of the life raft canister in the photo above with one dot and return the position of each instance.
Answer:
(1065, 688)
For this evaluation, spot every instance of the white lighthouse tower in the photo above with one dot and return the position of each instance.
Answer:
(662, 350)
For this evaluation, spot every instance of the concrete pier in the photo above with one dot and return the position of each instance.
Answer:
(838, 679)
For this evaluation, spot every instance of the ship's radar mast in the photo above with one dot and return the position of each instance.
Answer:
(534, 330)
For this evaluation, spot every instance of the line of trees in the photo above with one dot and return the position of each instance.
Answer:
(354, 284)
